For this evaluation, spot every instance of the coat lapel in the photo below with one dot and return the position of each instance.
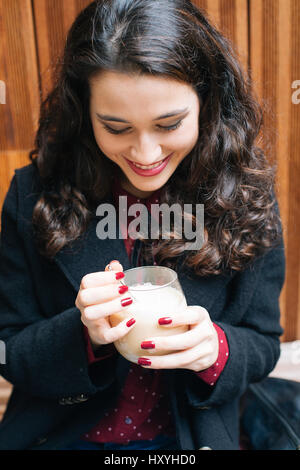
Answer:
(89, 254)
(202, 291)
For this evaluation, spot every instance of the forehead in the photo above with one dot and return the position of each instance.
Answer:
(113, 92)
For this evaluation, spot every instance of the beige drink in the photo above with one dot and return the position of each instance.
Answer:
(151, 303)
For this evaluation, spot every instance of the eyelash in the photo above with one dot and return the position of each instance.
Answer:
(167, 129)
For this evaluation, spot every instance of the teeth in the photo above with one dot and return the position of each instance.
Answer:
(148, 167)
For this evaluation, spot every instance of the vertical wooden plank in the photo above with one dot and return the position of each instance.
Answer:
(274, 59)
(30, 61)
(227, 18)
(231, 18)
(23, 68)
(264, 66)
(53, 19)
(18, 69)
(19, 115)
(255, 45)
(242, 32)
(288, 146)
(50, 38)
(214, 12)
(269, 75)
(283, 93)
(42, 45)
(202, 4)
(293, 132)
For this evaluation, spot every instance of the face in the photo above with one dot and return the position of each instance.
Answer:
(146, 125)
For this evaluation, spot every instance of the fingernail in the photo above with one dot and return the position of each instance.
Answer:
(125, 302)
(144, 362)
(114, 261)
(119, 275)
(147, 345)
(165, 321)
(130, 322)
(123, 289)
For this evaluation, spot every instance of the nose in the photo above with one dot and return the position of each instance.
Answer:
(146, 150)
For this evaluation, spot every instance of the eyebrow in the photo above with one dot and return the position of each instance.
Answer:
(105, 117)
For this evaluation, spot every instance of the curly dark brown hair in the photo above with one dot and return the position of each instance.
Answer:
(225, 171)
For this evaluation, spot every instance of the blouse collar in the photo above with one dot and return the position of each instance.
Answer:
(118, 191)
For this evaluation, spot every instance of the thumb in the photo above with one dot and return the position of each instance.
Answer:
(114, 265)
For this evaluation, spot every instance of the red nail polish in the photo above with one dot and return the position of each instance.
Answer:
(119, 275)
(125, 302)
(123, 289)
(147, 345)
(144, 362)
(165, 321)
(130, 322)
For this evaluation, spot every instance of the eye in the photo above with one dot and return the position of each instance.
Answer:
(161, 128)
(113, 131)
(171, 128)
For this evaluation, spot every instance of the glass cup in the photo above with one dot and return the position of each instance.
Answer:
(157, 293)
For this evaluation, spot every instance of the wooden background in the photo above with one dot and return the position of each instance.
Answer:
(265, 34)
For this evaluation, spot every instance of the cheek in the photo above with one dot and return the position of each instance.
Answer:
(106, 144)
(194, 133)
(187, 139)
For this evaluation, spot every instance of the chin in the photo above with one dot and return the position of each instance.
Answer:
(151, 186)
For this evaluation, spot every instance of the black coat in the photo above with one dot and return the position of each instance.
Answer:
(57, 396)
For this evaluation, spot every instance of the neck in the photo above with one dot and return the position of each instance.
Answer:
(134, 191)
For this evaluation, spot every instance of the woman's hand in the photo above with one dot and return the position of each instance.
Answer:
(198, 348)
(100, 295)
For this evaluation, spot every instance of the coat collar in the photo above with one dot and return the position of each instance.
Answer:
(89, 254)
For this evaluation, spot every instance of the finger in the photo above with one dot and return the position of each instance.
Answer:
(94, 312)
(177, 342)
(100, 278)
(96, 295)
(202, 331)
(179, 360)
(191, 315)
(115, 333)
(114, 265)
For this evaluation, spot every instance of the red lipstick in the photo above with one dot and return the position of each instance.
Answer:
(152, 171)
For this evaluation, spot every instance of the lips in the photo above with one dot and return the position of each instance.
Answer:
(153, 170)
(148, 167)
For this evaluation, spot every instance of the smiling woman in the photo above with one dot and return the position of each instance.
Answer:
(109, 116)
(150, 103)
(146, 151)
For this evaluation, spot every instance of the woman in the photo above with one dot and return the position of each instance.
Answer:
(150, 103)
